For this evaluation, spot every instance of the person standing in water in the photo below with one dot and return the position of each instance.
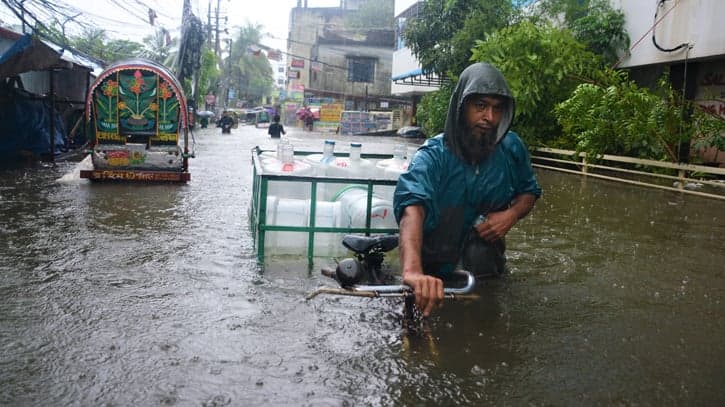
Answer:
(464, 189)
(275, 129)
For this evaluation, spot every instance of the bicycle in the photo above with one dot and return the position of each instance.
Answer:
(366, 267)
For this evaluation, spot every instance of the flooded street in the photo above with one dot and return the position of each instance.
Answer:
(124, 295)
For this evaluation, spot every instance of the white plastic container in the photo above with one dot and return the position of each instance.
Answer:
(348, 167)
(296, 212)
(353, 166)
(354, 208)
(392, 167)
(287, 189)
(321, 164)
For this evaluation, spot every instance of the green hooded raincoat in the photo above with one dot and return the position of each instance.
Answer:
(455, 192)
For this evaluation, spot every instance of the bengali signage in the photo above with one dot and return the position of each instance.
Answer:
(120, 175)
(330, 112)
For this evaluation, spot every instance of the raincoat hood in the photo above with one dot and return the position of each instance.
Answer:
(479, 78)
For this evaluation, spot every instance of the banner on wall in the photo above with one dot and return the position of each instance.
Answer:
(274, 55)
(297, 63)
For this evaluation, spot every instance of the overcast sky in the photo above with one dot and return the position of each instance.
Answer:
(129, 18)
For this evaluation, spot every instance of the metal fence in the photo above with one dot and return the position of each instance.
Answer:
(690, 179)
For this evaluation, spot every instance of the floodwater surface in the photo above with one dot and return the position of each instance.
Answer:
(152, 295)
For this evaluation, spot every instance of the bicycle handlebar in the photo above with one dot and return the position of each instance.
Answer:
(405, 289)
(400, 290)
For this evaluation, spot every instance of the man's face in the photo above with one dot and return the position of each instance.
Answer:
(482, 114)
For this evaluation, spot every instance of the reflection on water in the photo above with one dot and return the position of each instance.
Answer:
(150, 294)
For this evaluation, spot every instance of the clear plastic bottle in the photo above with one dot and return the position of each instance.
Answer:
(328, 152)
(322, 161)
(280, 146)
(355, 152)
(288, 155)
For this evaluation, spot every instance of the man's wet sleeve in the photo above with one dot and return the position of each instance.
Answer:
(417, 186)
(526, 179)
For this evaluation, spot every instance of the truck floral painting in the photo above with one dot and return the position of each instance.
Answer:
(136, 101)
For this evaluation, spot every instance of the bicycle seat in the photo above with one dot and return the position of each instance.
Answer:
(366, 244)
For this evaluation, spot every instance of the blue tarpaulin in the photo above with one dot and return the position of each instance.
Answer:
(25, 128)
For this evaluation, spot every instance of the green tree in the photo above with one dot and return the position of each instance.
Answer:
(156, 48)
(432, 110)
(208, 75)
(593, 22)
(122, 49)
(95, 43)
(615, 116)
(247, 69)
(443, 33)
(542, 65)
(602, 30)
(92, 42)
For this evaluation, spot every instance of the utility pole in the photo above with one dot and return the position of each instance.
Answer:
(208, 25)
(217, 50)
(229, 73)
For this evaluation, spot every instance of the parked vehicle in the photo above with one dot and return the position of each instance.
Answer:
(411, 132)
(139, 124)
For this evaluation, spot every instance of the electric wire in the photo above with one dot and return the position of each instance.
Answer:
(654, 41)
(651, 28)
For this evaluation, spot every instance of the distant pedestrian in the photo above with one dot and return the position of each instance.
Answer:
(276, 128)
(210, 101)
(309, 118)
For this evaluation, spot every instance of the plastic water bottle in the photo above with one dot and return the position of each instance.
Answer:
(354, 208)
(288, 157)
(284, 163)
(283, 141)
(321, 163)
(328, 152)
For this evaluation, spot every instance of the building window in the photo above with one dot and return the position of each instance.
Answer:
(361, 69)
(399, 40)
(402, 20)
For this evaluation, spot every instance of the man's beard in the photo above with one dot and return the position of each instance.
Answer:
(478, 148)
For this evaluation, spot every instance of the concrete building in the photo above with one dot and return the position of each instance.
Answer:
(326, 60)
(684, 37)
(408, 79)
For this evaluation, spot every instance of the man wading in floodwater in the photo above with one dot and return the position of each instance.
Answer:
(464, 189)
